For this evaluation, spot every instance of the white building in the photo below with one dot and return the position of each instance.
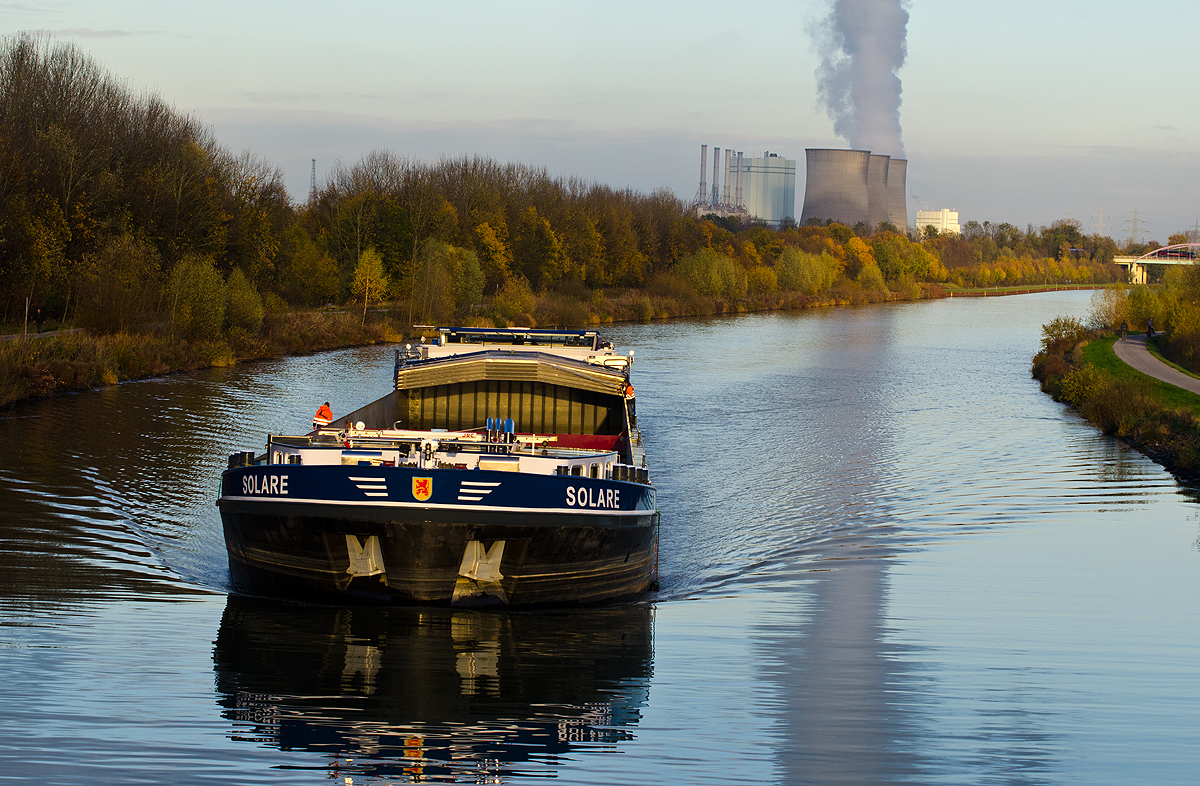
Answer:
(944, 221)
(769, 187)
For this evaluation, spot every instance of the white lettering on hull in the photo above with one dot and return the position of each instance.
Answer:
(265, 484)
(584, 497)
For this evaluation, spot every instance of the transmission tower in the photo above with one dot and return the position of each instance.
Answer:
(1133, 229)
(312, 184)
(1194, 234)
(1100, 217)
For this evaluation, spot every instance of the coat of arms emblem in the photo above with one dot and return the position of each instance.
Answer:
(422, 488)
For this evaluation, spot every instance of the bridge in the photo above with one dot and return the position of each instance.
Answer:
(1178, 254)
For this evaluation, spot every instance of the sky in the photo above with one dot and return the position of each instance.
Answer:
(1025, 112)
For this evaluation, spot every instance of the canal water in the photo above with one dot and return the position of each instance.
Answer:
(886, 557)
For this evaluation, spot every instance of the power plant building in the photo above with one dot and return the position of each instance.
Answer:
(945, 221)
(853, 187)
(769, 188)
(754, 188)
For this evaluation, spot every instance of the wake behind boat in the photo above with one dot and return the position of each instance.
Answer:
(505, 469)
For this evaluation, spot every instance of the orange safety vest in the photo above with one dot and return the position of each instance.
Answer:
(323, 417)
(628, 390)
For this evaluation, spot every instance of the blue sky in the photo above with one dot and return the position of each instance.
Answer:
(1023, 112)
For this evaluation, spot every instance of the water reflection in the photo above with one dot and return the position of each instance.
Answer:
(432, 694)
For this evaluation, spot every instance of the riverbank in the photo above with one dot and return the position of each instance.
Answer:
(71, 360)
(1162, 421)
(955, 291)
(40, 366)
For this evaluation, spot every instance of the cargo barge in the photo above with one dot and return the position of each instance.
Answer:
(505, 468)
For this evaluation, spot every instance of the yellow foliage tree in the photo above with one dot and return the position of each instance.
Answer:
(370, 282)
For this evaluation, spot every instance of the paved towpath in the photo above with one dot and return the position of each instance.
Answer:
(31, 334)
(1132, 350)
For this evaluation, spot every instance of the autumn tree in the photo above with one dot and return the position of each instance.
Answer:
(243, 305)
(447, 282)
(370, 282)
(119, 285)
(195, 298)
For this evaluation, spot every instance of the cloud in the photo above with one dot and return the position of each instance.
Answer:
(87, 32)
(39, 9)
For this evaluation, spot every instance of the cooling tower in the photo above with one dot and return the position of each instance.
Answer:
(835, 186)
(897, 193)
(877, 193)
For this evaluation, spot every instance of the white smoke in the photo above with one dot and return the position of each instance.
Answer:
(863, 43)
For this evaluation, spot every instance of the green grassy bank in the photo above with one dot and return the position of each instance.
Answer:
(1079, 367)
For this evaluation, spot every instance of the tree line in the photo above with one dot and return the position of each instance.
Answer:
(120, 212)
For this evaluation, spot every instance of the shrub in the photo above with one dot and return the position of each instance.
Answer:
(871, 279)
(906, 285)
(800, 271)
(641, 308)
(196, 298)
(1121, 407)
(761, 280)
(1184, 349)
(243, 306)
(713, 274)
(118, 284)
(515, 297)
(1109, 308)
(561, 311)
(1066, 329)
(1082, 383)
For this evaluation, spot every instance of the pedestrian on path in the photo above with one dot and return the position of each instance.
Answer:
(1124, 329)
(1150, 328)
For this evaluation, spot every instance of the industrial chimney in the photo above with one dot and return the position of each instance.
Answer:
(738, 203)
(835, 186)
(702, 193)
(725, 195)
(716, 186)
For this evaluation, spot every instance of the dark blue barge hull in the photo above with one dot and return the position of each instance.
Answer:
(400, 535)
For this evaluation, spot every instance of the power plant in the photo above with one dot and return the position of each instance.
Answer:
(718, 201)
(855, 186)
(754, 188)
(846, 186)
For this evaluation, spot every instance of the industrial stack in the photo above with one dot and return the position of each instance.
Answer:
(755, 188)
(718, 201)
(855, 186)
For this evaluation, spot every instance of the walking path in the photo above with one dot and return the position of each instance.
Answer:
(47, 334)
(1132, 351)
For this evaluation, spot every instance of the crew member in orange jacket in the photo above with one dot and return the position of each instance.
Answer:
(323, 417)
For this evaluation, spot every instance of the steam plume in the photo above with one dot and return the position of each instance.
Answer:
(863, 43)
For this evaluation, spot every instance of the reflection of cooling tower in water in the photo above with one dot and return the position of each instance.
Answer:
(835, 186)
(877, 193)
(897, 193)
